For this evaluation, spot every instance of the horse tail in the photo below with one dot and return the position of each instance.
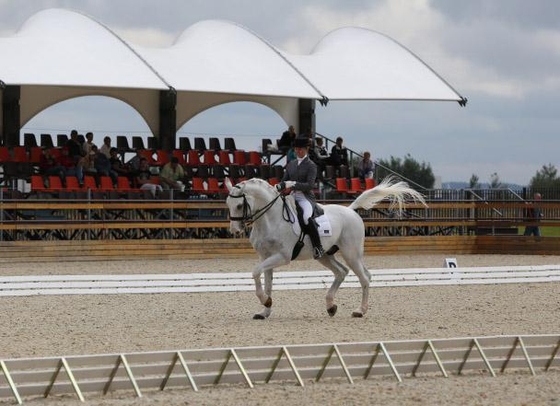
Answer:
(396, 192)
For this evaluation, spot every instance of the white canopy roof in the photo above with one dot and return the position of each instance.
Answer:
(59, 54)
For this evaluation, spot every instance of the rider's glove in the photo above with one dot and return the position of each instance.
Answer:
(280, 186)
(290, 184)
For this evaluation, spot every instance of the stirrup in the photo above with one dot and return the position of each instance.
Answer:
(318, 252)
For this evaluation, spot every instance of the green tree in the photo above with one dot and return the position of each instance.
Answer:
(418, 172)
(474, 182)
(545, 178)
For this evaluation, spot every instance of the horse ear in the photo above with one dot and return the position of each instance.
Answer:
(228, 184)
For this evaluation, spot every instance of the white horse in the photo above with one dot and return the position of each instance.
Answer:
(256, 202)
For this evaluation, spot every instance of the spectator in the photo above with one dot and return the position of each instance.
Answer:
(143, 178)
(322, 158)
(68, 162)
(366, 167)
(134, 162)
(73, 146)
(103, 165)
(172, 175)
(286, 141)
(86, 166)
(533, 214)
(86, 147)
(49, 165)
(117, 164)
(339, 153)
(106, 147)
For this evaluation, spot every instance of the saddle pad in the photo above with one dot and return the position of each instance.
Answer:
(325, 229)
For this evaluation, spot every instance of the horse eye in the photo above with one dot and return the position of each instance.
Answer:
(239, 206)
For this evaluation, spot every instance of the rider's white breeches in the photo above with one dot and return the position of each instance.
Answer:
(305, 205)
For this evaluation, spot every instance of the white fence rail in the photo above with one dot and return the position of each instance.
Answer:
(230, 282)
(194, 369)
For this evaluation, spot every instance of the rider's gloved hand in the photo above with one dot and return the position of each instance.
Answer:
(290, 184)
(280, 186)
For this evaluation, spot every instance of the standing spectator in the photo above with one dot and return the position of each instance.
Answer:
(86, 147)
(339, 153)
(366, 167)
(106, 147)
(172, 175)
(143, 176)
(533, 214)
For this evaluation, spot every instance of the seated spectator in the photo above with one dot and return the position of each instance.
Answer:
(86, 147)
(103, 165)
(117, 164)
(286, 141)
(49, 165)
(134, 162)
(106, 147)
(143, 178)
(68, 162)
(172, 175)
(86, 166)
(321, 156)
(339, 153)
(366, 167)
(74, 148)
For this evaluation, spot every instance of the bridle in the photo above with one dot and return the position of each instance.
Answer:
(248, 217)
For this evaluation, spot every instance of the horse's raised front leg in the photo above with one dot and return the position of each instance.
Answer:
(265, 296)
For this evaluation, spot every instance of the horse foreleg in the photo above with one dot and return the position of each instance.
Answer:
(265, 296)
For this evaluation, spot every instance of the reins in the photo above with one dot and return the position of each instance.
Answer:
(247, 217)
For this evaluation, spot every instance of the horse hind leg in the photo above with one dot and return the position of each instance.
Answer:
(340, 272)
(364, 277)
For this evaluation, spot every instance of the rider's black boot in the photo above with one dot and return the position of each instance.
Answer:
(312, 230)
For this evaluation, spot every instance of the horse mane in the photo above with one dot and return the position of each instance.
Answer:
(397, 192)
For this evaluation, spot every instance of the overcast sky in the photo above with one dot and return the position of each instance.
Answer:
(503, 55)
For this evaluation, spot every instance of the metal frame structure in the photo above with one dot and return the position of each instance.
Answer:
(250, 366)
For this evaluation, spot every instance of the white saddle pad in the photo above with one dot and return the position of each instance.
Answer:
(325, 229)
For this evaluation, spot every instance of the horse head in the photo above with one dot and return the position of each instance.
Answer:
(247, 201)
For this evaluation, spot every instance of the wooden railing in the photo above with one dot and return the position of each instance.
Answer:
(52, 230)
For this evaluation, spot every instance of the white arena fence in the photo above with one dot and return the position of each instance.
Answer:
(243, 281)
(298, 364)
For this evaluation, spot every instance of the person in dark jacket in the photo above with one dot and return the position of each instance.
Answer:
(299, 178)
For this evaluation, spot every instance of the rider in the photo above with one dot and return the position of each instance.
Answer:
(300, 177)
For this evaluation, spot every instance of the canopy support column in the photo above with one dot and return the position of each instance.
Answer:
(10, 115)
(167, 119)
(306, 115)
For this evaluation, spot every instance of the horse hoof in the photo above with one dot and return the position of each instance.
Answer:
(332, 310)
(268, 302)
(357, 314)
(258, 317)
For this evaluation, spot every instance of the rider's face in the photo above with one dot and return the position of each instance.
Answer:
(300, 152)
